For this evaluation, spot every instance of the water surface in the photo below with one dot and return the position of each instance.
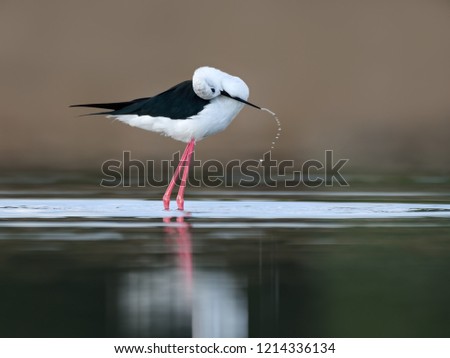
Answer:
(78, 262)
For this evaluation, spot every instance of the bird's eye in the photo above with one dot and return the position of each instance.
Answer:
(213, 90)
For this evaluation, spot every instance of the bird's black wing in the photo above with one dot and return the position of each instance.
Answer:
(178, 102)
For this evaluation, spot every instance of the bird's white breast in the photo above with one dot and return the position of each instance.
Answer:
(214, 118)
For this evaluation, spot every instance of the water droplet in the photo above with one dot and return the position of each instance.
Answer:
(278, 129)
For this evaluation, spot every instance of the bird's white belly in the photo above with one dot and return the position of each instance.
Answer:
(214, 118)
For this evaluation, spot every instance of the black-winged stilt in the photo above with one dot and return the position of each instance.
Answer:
(188, 112)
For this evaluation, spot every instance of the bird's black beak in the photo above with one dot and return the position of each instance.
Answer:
(226, 94)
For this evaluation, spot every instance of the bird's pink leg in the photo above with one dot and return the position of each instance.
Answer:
(180, 196)
(166, 197)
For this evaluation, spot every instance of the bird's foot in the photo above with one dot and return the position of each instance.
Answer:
(180, 202)
(166, 202)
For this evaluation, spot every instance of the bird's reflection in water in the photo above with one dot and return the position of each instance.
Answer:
(182, 299)
(179, 238)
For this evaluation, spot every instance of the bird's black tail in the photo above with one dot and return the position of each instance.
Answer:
(115, 106)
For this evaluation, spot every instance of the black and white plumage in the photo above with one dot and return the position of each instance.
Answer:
(193, 109)
(189, 112)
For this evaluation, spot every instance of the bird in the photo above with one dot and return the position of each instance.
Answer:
(188, 112)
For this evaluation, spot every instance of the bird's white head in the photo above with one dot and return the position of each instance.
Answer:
(209, 82)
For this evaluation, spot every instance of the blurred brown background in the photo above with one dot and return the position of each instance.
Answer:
(368, 79)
